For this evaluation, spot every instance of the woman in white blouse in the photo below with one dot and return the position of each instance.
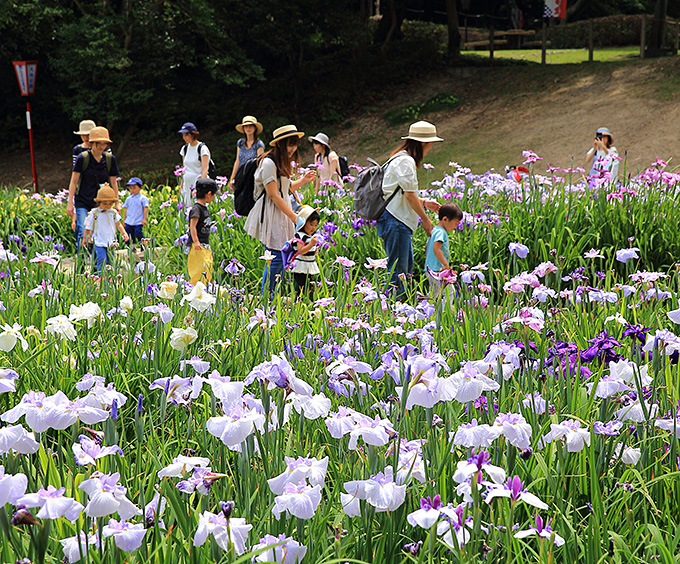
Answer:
(272, 220)
(400, 219)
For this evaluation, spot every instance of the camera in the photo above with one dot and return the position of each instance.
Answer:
(598, 135)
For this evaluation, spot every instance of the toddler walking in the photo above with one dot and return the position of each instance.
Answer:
(101, 225)
(305, 263)
(135, 211)
(437, 250)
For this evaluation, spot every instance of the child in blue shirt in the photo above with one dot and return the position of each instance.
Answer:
(135, 210)
(437, 251)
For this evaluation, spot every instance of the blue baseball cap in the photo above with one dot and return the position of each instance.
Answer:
(188, 127)
(135, 180)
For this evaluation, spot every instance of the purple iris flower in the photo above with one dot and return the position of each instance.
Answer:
(518, 249)
(623, 255)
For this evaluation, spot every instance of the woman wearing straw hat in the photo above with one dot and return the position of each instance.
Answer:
(326, 160)
(195, 159)
(84, 129)
(400, 219)
(249, 146)
(272, 220)
(603, 156)
(93, 168)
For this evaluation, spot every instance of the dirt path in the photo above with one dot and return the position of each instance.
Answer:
(551, 110)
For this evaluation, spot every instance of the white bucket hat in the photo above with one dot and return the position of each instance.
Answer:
(85, 127)
(320, 138)
(423, 131)
(304, 214)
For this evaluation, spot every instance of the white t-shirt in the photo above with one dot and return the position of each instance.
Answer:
(401, 172)
(606, 161)
(192, 162)
(104, 228)
(276, 227)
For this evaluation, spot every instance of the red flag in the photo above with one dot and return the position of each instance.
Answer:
(555, 9)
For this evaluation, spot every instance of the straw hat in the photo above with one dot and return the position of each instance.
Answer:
(106, 194)
(423, 131)
(85, 127)
(99, 135)
(320, 138)
(605, 131)
(304, 214)
(250, 120)
(285, 131)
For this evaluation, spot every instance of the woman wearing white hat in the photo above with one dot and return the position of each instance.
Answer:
(84, 129)
(272, 220)
(326, 161)
(249, 146)
(603, 156)
(400, 219)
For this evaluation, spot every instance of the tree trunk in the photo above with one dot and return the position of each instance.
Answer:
(454, 30)
(574, 8)
(389, 27)
(122, 146)
(658, 31)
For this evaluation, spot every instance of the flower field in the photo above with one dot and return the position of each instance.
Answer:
(533, 417)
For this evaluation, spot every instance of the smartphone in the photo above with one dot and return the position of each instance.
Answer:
(599, 136)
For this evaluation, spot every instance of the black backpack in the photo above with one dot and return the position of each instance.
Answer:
(344, 167)
(108, 159)
(369, 199)
(212, 169)
(244, 186)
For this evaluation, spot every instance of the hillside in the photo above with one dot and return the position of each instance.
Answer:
(552, 110)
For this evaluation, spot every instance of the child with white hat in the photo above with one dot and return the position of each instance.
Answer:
(101, 225)
(305, 266)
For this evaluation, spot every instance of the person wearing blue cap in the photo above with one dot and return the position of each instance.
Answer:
(135, 210)
(603, 156)
(195, 159)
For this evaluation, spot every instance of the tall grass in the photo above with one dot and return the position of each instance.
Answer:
(605, 509)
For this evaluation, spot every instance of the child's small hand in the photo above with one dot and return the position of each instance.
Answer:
(311, 175)
(126, 237)
(144, 222)
(313, 240)
(197, 246)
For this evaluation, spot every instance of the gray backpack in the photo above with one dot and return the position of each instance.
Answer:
(369, 199)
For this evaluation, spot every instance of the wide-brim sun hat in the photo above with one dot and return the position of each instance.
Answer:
(303, 216)
(320, 138)
(99, 134)
(188, 127)
(285, 132)
(85, 127)
(423, 131)
(605, 131)
(250, 120)
(106, 194)
(134, 181)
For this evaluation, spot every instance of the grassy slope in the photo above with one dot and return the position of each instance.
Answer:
(552, 110)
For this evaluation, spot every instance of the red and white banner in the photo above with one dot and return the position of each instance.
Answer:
(555, 9)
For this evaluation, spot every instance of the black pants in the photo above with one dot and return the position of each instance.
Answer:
(303, 282)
